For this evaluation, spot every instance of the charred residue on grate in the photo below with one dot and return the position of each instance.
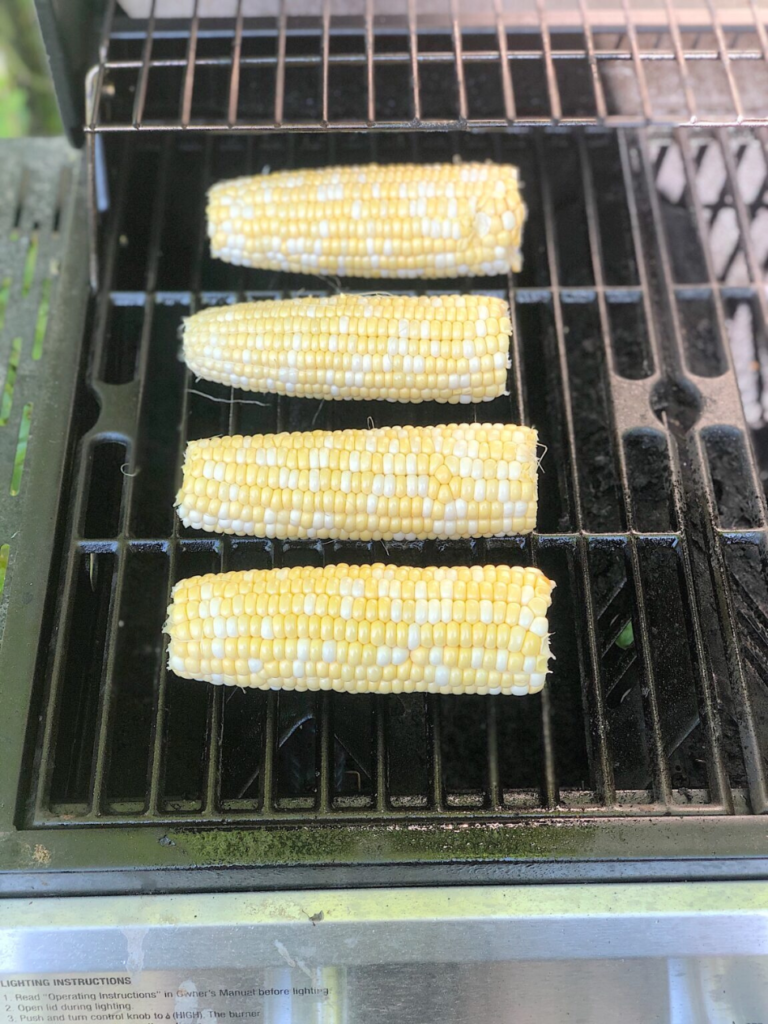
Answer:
(650, 481)
(738, 506)
(628, 723)
(748, 565)
(629, 336)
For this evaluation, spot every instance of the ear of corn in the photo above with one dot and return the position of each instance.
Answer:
(367, 628)
(390, 483)
(443, 348)
(399, 220)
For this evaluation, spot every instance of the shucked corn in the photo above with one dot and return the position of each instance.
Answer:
(389, 483)
(379, 628)
(444, 348)
(400, 220)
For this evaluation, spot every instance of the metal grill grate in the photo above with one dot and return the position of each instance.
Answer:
(306, 65)
(651, 518)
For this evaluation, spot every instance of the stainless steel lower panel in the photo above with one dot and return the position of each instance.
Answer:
(640, 953)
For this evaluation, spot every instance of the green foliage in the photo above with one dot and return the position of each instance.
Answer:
(27, 104)
(626, 637)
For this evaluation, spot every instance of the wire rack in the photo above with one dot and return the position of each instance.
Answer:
(304, 65)
(640, 256)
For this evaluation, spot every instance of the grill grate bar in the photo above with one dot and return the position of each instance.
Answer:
(461, 86)
(551, 794)
(326, 45)
(549, 791)
(280, 67)
(369, 62)
(104, 723)
(413, 48)
(725, 60)
(747, 723)
(518, 384)
(435, 726)
(141, 85)
(562, 541)
(159, 716)
(598, 719)
(426, 57)
(267, 773)
(51, 735)
(506, 77)
(211, 802)
(495, 795)
(682, 66)
(516, 806)
(189, 68)
(424, 124)
(562, 360)
(159, 722)
(594, 70)
(662, 778)
(603, 768)
(637, 63)
(381, 794)
(553, 92)
(759, 24)
(662, 781)
(539, 294)
(325, 753)
(718, 776)
(237, 56)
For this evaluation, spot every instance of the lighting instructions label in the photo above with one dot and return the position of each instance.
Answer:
(164, 997)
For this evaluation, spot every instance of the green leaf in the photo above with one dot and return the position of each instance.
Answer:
(626, 637)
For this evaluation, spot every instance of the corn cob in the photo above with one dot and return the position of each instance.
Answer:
(391, 483)
(401, 220)
(443, 348)
(365, 628)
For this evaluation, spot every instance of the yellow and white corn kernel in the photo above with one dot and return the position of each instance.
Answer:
(390, 483)
(365, 628)
(439, 348)
(398, 220)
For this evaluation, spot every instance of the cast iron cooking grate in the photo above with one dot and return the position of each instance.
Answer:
(651, 518)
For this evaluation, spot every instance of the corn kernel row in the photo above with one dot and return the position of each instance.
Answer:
(442, 348)
(398, 220)
(377, 628)
(389, 483)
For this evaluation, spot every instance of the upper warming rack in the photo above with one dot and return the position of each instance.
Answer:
(313, 65)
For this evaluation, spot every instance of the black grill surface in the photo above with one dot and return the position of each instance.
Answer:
(652, 522)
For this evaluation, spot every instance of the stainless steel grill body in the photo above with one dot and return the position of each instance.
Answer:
(646, 755)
